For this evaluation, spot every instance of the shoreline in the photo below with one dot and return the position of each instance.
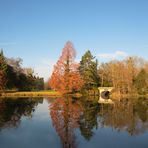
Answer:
(58, 94)
(31, 94)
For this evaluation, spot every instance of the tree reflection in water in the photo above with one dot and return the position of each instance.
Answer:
(71, 116)
(130, 115)
(11, 110)
(65, 115)
(68, 115)
(88, 118)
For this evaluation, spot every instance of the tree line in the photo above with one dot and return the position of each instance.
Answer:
(14, 77)
(126, 76)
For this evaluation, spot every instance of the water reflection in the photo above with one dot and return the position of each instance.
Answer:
(88, 119)
(11, 110)
(85, 114)
(65, 114)
(79, 122)
(127, 115)
(69, 114)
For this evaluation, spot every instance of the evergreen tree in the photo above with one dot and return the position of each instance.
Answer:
(3, 71)
(141, 82)
(88, 70)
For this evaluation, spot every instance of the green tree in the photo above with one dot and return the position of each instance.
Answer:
(22, 79)
(88, 70)
(141, 82)
(12, 78)
(3, 71)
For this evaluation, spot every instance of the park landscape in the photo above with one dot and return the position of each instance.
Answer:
(72, 96)
(73, 74)
(127, 77)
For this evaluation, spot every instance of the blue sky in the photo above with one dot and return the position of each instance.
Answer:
(36, 30)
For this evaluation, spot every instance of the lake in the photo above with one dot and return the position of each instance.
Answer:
(73, 123)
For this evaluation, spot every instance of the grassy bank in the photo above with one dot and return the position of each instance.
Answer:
(31, 94)
(114, 96)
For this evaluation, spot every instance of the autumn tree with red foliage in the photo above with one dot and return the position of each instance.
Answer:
(65, 115)
(65, 77)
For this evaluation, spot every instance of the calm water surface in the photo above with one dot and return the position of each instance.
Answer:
(72, 123)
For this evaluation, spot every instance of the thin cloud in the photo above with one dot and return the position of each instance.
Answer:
(7, 43)
(115, 55)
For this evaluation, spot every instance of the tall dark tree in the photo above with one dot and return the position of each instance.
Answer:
(88, 70)
(141, 82)
(3, 71)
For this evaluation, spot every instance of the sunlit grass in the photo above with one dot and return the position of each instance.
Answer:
(50, 93)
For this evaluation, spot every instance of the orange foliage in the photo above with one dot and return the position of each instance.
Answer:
(65, 77)
(65, 116)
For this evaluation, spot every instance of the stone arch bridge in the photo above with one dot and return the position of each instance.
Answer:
(104, 94)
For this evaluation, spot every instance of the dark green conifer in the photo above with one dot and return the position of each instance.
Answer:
(3, 71)
(88, 70)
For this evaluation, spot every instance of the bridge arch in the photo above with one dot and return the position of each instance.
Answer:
(104, 94)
